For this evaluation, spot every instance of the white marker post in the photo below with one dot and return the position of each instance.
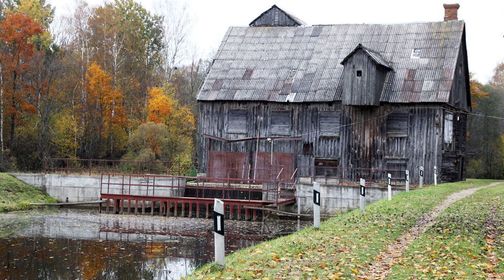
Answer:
(218, 217)
(435, 175)
(407, 180)
(389, 186)
(362, 196)
(421, 176)
(316, 204)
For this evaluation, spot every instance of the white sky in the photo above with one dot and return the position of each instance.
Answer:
(209, 20)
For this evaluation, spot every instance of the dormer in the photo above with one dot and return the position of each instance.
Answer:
(364, 76)
(275, 16)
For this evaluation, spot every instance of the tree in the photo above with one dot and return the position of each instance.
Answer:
(485, 147)
(40, 12)
(477, 91)
(159, 106)
(127, 42)
(104, 109)
(16, 34)
(66, 131)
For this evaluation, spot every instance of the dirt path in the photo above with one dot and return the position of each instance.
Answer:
(380, 268)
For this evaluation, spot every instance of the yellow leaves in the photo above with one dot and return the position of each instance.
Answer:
(307, 269)
(105, 105)
(66, 132)
(275, 257)
(159, 106)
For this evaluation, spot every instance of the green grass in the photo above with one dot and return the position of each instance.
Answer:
(454, 247)
(341, 248)
(499, 242)
(17, 195)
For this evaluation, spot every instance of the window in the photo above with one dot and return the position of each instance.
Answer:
(397, 125)
(359, 73)
(280, 123)
(326, 167)
(329, 123)
(237, 122)
(448, 128)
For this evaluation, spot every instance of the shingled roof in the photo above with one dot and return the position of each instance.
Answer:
(303, 64)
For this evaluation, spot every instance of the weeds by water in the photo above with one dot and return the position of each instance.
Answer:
(17, 195)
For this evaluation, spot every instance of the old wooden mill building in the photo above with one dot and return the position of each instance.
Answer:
(289, 100)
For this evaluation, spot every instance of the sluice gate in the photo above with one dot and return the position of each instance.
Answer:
(183, 196)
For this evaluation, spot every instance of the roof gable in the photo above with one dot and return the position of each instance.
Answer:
(275, 16)
(303, 64)
(375, 56)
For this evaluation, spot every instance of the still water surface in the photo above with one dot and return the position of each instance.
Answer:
(83, 244)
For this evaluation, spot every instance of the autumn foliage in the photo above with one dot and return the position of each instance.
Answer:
(103, 89)
(159, 106)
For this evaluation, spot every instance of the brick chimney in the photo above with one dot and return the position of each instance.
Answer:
(450, 11)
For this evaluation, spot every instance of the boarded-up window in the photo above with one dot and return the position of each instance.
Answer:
(397, 125)
(329, 123)
(280, 123)
(448, 128)
(237, 121)
(326, 167)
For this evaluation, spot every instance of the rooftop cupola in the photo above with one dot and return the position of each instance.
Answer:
(364, 77)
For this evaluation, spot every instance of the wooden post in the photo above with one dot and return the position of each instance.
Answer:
(407, 180)
(362, 196)
(316, 204)
(435, 175)
(218, 217)
(421, 176)
(389, 186)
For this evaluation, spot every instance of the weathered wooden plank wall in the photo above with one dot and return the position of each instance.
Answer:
(360, 142)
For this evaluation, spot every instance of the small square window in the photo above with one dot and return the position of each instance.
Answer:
(359, 73)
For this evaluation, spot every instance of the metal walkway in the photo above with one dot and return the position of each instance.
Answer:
(181, 196)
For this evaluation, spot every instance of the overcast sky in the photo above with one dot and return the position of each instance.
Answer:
(209, 20)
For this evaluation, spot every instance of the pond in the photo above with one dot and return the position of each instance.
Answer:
(83, 244)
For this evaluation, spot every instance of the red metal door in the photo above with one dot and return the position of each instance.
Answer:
(228, 165)
(268, 168)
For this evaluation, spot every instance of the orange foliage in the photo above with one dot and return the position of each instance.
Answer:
(477, 92)
(159, 106)
(17, 32)
(105, 100)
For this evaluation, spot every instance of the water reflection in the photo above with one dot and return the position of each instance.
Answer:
(82, 244)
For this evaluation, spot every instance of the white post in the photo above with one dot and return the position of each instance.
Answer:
(362, 196)
(407, 180)
(421, 176)
(218, 217)
(389, 186)
(316, 204)
(435, 175)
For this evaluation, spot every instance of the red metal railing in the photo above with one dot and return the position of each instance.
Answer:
(97, 166)
(151, 185)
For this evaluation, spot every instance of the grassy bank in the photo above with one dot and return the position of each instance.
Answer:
(456, 246)
(17, 195)
(342, 247)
